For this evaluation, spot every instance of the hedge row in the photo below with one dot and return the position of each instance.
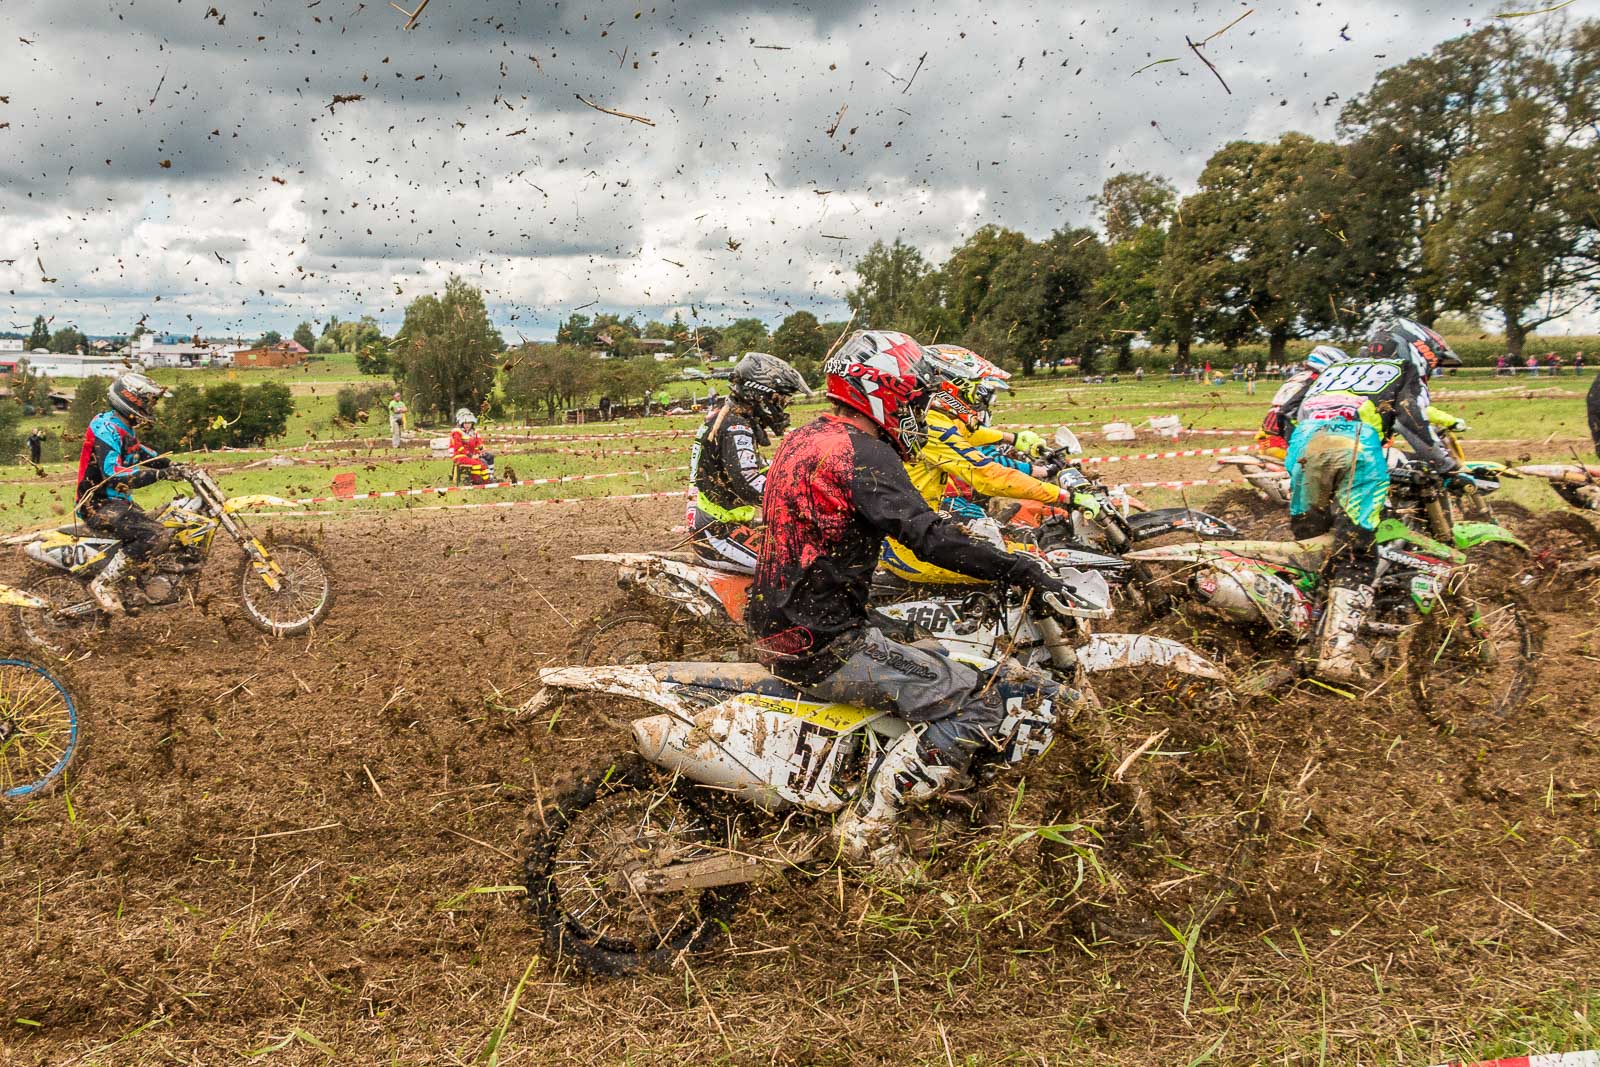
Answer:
(1474, 350)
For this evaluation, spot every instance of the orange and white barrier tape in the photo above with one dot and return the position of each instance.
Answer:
(1553, 1059)
(1168, 455)
(1181, 485)
(442, 489)
(678, 493)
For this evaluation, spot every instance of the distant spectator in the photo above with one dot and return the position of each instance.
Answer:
(605, 409)
(35, 446)
(1138, 372)
(1532, 363)
(1249, 379)
(1500, 364)
(1552, 363)
(1577, 363)
(397, 419)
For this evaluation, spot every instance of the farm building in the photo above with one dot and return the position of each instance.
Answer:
(282, 354)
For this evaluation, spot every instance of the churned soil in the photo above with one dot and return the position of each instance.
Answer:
(308, 851)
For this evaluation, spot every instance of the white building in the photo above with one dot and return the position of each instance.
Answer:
(64, 365)
(10, 344)
(183, 356)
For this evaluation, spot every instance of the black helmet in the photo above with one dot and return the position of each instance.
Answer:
(766, 383)
(134, 397)
(1405, 339)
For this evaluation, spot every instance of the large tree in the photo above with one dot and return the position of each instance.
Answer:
(445, 352)
(1129, 202)
(1406, 134)
(965, 279)
(1519, 230)
(68, 339)
(304, 336)
(891, 294)
(550, 377)
(744, 335)
(800, 340)
(1042, 305)
(39, 337)
(1251, 251)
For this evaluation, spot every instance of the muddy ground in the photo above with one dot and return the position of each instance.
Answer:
(271, 850)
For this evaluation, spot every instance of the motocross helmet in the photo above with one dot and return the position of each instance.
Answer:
(885, 376)
(960, 374)
(1405, 339)
(766, 383)
(134, 397)
(1324, 356)
(465, 417)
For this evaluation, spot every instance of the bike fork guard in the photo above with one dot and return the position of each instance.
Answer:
(266, 568)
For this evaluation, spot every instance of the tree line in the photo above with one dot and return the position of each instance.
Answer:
(1466, 180)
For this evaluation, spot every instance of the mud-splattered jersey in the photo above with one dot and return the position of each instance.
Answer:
(725, 465)
(108, 466)
(834, 492)
(1386, 394)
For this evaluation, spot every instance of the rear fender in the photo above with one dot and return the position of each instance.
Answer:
(1109, 652)
(703, 592)
(1150, 524)
(634, 682)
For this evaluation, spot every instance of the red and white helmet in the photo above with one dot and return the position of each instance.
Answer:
(884, 376)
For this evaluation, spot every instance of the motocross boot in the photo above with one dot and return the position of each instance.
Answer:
(104, 586)
(866, 832)
(1339, 644)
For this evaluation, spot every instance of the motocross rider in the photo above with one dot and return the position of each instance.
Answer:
(725, 466)
(951, 468)
(112, 464)
(1338, 475)
(466, 444)
(836, 488)
(1278, 425)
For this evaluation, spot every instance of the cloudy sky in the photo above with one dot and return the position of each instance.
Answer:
(186, 160)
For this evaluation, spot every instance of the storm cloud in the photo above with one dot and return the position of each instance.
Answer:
(253, 164)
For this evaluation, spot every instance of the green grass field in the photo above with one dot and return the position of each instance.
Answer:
(1520, 421)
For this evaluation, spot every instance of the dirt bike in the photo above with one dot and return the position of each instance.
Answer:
(1106, 521)
(688, 610)
(40, 732)
(1576, 483)
(1265, 473)
(1477, 647)
(735, 779)
(285, 589)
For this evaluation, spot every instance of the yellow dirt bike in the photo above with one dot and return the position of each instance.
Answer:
(40, 732)
(285, 589)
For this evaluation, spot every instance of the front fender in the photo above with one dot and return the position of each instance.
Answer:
(1472, 534)
(16, 598)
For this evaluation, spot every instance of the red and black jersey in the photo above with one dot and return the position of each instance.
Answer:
(833, 494)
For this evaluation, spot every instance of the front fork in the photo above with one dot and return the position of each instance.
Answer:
(261, 561)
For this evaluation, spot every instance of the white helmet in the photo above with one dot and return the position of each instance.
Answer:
(464, 416)
(1324, 356)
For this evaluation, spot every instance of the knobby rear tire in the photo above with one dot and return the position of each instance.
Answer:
(596, 951)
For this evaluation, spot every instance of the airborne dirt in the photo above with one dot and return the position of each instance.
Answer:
(312, 847)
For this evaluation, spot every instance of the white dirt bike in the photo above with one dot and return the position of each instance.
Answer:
(734, 779)
(285, 589)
